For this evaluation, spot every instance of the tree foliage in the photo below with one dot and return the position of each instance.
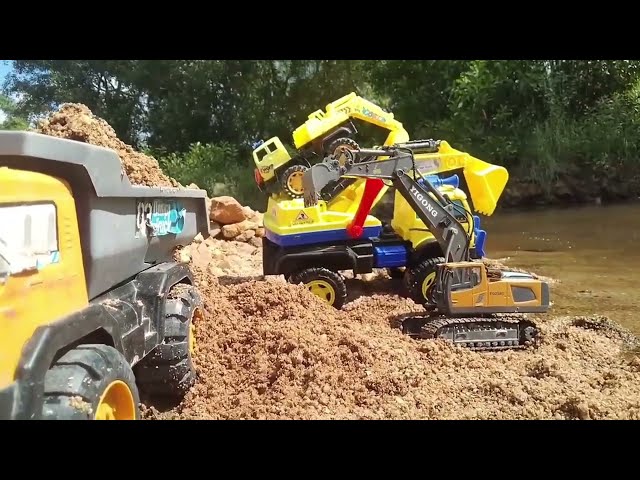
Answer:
(12, 120)
(522, 114)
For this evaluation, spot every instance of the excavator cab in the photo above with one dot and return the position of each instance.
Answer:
(465, 288)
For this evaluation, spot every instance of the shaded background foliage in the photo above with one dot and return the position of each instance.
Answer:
(574, 122)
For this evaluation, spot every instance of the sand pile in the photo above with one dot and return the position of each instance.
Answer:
(267, 349)
(75, 121)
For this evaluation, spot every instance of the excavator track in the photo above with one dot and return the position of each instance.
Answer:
(504, 332)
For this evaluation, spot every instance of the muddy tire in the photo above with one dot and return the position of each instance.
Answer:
(291, 180)
(344, 142)
(168, 371)
(91, 382)
(396, 273)
(419, 279)
(327, 285)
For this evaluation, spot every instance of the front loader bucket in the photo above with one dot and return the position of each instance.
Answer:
(485, 181)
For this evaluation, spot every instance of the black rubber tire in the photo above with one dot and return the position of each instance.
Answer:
(334, 279)
(75, 383)
(343, 141)
(396, 273)
(285, 176)
(414, 277)
(168, 371)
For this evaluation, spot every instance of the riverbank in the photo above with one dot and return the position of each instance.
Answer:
(568, 191)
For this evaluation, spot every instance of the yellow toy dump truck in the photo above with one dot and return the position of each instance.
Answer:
(323, 134)
(93, 311)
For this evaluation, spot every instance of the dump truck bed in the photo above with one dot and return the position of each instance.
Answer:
(115, 240)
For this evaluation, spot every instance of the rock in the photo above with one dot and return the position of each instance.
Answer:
(255, 241)
(184, 256)
(248, 212)
(198, 238)
(260, 232)
(226, 210)
(200, 256)
(232, 231)
(214, 229)
(245, 236)
(257, 218)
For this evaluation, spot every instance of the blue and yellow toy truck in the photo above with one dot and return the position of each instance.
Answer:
(460, 296)
(314, 244)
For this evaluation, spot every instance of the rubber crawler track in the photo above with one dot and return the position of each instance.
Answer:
(433, 326)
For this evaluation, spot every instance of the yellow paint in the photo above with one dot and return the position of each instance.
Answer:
(320, 123)
(116, 403)
(270, 156)
(193, 345)
(486, 181)
(323, 290)
(492, 293)
(34, 298)
(407, 224)
(290, 217)
(294, 182)
(427, 283)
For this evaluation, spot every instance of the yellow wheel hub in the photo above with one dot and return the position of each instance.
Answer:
(340, 155)
(322, 289)
(426, 284)
(294, 182)
(116, 403)
(197, 316)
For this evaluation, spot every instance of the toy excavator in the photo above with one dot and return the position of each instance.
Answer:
(466, 306)
(323, 134)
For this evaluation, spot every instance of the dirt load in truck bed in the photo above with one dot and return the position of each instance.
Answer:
(75, 121)
(267, 349)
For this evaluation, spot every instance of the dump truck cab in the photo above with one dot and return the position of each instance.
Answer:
(40, 260)
(93, 310)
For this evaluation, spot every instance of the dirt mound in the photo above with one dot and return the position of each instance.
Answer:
(75, 121)
(268, 349)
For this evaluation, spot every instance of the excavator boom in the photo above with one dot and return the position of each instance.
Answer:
(437, 215)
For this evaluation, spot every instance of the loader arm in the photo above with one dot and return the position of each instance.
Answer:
(437, 215)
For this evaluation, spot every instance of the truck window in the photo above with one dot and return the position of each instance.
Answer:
(28, 237)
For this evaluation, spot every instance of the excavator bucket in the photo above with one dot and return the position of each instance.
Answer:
(485, 181)
(315, 179)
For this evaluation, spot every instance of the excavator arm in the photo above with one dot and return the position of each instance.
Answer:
(437, 215)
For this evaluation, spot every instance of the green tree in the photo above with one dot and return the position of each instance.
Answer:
(12, 120)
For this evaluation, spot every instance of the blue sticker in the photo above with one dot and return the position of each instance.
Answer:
(160, 217)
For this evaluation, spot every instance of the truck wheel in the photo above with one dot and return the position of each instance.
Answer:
(91, 382)
(168, 371)
(291, 180)
(325, 284)
(344, 142)
(421, 278)
(396, 273)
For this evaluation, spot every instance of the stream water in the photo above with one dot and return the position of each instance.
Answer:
(593, 251)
